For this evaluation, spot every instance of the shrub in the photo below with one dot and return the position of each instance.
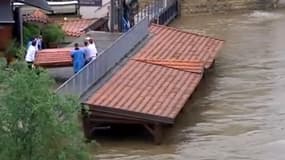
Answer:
(14, 49)
(53, 33)
(30, 31)
(35, 123)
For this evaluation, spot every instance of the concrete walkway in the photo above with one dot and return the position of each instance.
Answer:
(95, 12)
(102, 39)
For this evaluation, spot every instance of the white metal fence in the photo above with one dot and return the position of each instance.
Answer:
(156, 9)
(80, 82)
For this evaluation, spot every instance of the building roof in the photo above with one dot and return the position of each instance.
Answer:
(36, 16)
(158, 81)
(57, 57)
(143, 88)
(188, 66)
(36, 3)
(6, 15)
(175, 44)
(74, 26)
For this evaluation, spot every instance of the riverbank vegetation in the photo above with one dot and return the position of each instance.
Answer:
(36, 123)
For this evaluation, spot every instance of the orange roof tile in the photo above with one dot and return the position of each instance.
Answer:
(190, 66)
(76, 27)
(143, 88)
(36, 16)
(58, 57)
(171, 43)
(158, 81)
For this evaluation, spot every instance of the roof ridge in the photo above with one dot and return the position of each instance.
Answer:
(36, 15)
(169, 64)
(187, 32)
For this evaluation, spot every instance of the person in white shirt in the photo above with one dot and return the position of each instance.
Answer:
(92, 50)
(39, 42)
(31, 54)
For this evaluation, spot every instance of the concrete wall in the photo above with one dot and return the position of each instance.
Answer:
(210, 6)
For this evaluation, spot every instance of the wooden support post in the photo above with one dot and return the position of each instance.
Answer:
(156, 132)
(86, 124)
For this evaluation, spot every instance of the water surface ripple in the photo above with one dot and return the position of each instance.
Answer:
(238, 112)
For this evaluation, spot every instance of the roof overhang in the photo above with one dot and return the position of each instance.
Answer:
(42, 4)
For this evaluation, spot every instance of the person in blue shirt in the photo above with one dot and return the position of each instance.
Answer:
(30, 42)
(78, 58)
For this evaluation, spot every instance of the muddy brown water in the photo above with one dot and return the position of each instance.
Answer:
(238, 111)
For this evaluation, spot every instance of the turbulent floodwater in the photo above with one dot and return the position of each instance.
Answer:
(238, 111)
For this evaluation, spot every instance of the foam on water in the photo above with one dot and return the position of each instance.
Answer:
(257, 17)
(264, 15)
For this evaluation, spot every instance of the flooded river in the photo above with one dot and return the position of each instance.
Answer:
(238, 111)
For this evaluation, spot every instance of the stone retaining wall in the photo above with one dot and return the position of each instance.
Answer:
(211, 6)
(189, 7)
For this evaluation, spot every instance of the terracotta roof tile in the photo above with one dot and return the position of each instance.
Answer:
(171, 43)
(58, 57)
(190, 66)
(76, 27)
(157, 82)
(145, 88)
(36, 16)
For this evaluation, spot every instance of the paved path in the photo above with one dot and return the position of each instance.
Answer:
(102, 39)
(95, 12)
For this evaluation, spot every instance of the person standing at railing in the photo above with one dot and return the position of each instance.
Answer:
(86, 52)
(91, 49)
(78, 58)
(131, 9)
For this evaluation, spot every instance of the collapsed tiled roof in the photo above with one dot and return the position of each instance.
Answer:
(74, 27)
(36, 16)
(157, 82)
(57, 57)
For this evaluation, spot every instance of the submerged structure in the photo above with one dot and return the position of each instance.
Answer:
(153, 86)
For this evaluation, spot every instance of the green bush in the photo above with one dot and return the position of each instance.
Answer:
(53, 33)
(15, 49)
(30, 31)
(35, 123)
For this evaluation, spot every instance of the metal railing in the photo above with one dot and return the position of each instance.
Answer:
(81, 82)
(157, 9)
(168, 13)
